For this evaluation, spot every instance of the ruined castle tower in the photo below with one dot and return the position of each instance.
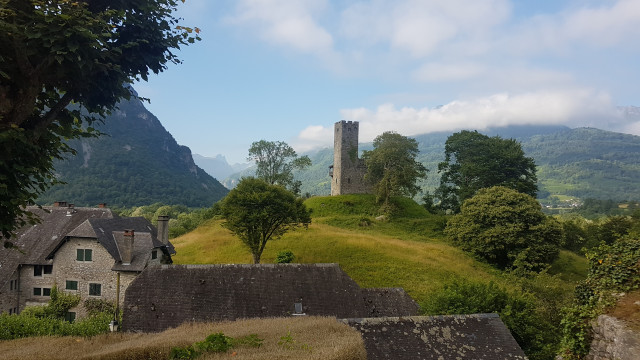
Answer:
(348, 170)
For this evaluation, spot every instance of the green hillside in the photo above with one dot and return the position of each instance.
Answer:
(582, 162)
(405, 250)
(136, 163)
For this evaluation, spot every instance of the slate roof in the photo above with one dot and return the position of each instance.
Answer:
(105, 231)
(478, 336)
(37, 241)
(166, 296)
(37, 244)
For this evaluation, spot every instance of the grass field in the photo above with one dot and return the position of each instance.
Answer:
(405, 250)
(308, 338)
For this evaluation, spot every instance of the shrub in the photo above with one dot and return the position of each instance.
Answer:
(614, 268)
(507, 229)
(285, 257)
(517, 311)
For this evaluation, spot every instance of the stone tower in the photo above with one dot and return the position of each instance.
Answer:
(348, 170)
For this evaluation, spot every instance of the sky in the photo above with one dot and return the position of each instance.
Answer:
(287, 70)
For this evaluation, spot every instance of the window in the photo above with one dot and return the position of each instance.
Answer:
(13, 284)
(41, 291)
(71, 285)
(84, 254)
(48, 269)
(154, 254)
(95, 289)
(37, 270)
(70, 316)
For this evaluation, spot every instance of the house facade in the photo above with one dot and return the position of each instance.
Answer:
(85, 251)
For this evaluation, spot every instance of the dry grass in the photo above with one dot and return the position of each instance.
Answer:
(313, 338)
(628, 309)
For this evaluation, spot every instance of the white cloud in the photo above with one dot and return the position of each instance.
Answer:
(313, 137)
(421, 27)
(615, 23)
(448, 72)
(573, 107)
(286, 22)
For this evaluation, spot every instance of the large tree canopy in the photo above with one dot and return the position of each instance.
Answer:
(474, 161)
(506, 228)
(257, 212)
(275, 161)
(392, 167)
(57, 53)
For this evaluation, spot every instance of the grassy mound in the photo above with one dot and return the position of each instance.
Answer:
(404, 250)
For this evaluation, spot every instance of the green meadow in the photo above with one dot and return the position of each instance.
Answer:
(404, 249)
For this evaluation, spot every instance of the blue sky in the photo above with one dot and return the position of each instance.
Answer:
(287, 70)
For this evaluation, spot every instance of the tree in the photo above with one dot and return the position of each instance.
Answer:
(57, 53)
(275, 161)
(474, 161)
(392, 167)
(257, 212)
(507, 229)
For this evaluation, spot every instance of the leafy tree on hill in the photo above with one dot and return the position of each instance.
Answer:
(275, 161)
(474, 161)
(392, 166)
(56, 53)
(507, 229)
(257, 212)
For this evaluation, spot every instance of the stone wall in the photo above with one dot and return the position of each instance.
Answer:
(348, 169)
(97, 271)
(9, 294)
(613, 340)
(166, 296)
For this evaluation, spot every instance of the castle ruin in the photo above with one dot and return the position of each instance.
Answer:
(347, 171)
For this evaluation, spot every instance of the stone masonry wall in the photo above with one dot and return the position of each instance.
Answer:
(9, 294)
(348, 169)
(613, 340)
(98, 271)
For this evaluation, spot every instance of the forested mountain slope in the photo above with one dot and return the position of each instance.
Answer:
(137, 163)
(581, 162)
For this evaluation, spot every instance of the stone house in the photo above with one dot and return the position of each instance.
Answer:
(85, 251)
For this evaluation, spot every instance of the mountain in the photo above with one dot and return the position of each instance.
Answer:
(218, 167)
(137, 163)
(581, 162)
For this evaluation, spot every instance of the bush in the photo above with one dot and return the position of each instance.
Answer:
(285, 257)
(517, 311)
(614, 268)
(507, 229)
(217, 342)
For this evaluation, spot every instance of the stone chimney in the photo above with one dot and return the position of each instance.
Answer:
(60, 204)
(102, 205)
(126, 252)
(163, 229)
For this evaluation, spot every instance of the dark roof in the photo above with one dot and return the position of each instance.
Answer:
(479, 336)
(166, 296)
(109, 233)
(37, 241)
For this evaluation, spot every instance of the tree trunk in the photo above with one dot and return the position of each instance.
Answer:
(256, 258)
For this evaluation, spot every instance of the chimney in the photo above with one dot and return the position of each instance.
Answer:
(102, 205)
(60, 204)
(163, 229)
(126, 252)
